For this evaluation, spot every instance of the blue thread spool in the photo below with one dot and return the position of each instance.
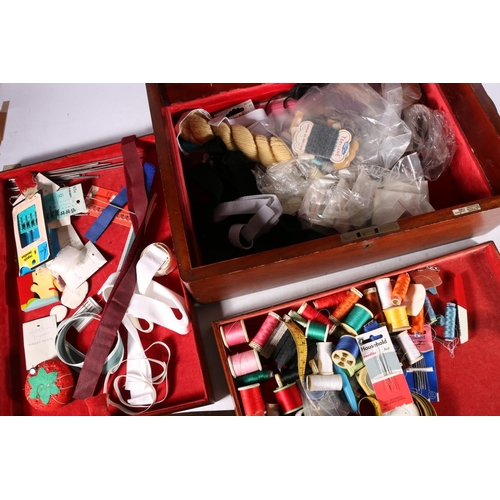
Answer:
(356, 319)
(316, 331)
(449, 321)
(346, 352)
(371, 325)
(429, 311)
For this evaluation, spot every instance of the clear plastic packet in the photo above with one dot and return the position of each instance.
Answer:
(400, 95)
(341, 125)
(432, 139)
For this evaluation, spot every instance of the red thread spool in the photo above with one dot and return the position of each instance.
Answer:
(289, 398)
(234, 334)
(309, 312)
(243, 363)
(265, 331)
(400, 289)
(341, 311)
(252, 401)
(332, 300)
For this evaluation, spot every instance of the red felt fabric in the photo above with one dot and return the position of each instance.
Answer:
(189, 383)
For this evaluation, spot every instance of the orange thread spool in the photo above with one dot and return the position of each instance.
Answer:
(400, 289)
(252, 401)
(341, 311)
(372, 301)
(417, 323)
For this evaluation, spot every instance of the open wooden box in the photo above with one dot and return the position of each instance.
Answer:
(466, 197)
(187, 376)
(466, 375)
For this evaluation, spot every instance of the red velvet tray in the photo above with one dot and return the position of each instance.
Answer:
(467, 380)
(189, 384)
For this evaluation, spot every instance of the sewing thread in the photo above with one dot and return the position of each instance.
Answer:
(243, 363)
(234, 334)
(397, 319)
(417, 323)
(411, 353)
(252, 401)
(341, 311)
(289, 398)
(449, 321)
(400, 289)
(253, 378)
(346, 352)
(265, 331)
(384, 288)
(429, 311)
(319, 382)
(316, 331)
(324, 352)
(332, 300)
(372, 301)
(309, 312)
(356, 319)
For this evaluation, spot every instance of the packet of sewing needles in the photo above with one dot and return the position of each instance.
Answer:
(384, 369)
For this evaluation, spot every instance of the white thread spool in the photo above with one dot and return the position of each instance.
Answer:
(410, 350)
(324, 357)
(319, 382)
(384, 289)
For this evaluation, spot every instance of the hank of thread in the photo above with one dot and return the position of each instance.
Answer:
(346, 352)
(324, 357)
(234, 334)
(341, 311)
(372, 301)
(316, 331)
(400, 289)
(253, 378)
(412, 354)
(321, 382)
(356, 319)
(252, 401)
(332, 300)
(310, 313)
(289, 398)
(429, 311)
(449, 321)
(417, 323)
(265, 331)
(384, 289)
(243, 363)
(397, 319)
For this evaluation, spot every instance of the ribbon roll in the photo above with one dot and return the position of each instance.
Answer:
(267, 210)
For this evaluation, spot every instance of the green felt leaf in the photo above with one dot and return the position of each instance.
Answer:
(43, 385)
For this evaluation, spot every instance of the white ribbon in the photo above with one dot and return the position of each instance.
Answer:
(154, 304)
(266, 208)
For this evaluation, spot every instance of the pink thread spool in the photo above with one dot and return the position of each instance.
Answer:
(265, 331)
(243, 363)
(234, 334)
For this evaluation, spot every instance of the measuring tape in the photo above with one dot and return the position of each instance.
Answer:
(301, 345)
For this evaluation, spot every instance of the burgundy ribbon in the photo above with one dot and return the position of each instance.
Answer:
(123, 290)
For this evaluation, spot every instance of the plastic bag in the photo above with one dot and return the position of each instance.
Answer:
(400, 95)
(432, 139)
(340, 125)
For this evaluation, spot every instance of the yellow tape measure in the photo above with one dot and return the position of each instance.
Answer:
(301, 345)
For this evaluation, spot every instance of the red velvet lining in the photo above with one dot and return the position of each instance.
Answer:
(463, 182)
(189, 385)
(468, 383)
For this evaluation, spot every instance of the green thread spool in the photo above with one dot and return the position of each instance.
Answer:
(253, 378)
(317, 331)
(356, 319)
(298, 318)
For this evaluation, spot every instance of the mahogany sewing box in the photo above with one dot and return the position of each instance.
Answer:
(188, 381)
(466, 197)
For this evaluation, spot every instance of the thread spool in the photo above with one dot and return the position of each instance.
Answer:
(316, 331)
(297, 318)
(324, 351)
(412, 354)
(273, 409)
(400, 289)
(310, 313)
(429, 311)
(252, 401)
(319, 382)
(288, 397)
(234, 334)
(371, 325)
(369, 406)
(449, 321)
(372, 301)
(346, 352)
(243, 363)
(332, 300)
(265, 331)
(356, 319)
(417, 323)
(384, 289)
(253, 378)
(341, 311)
(397, 319)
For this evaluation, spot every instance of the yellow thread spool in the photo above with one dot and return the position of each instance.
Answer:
(397, 319)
